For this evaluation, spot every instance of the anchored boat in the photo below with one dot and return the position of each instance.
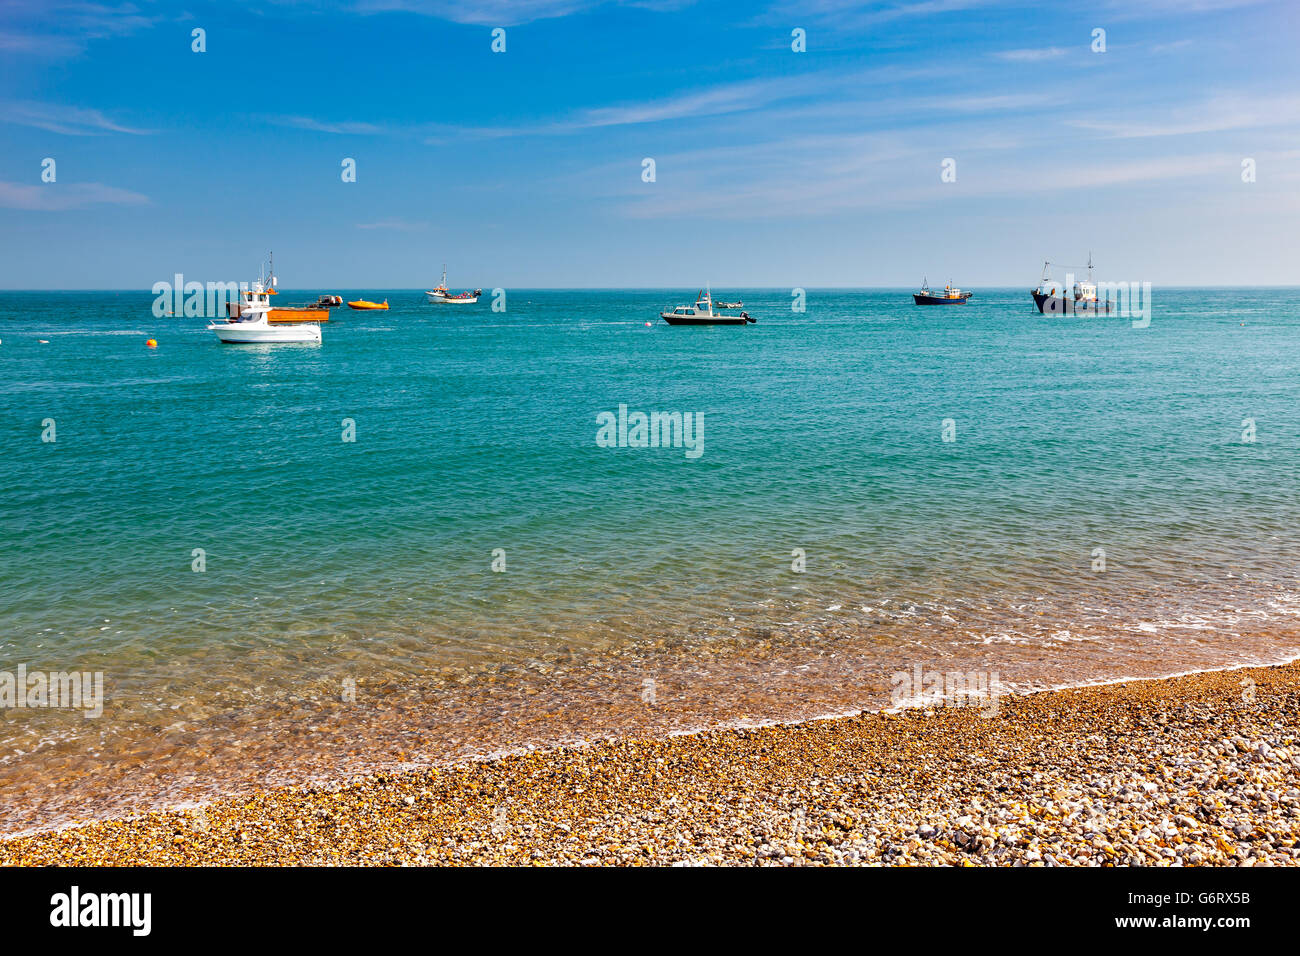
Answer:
(441, 295)
(1081, 300)
(365, 304)
(702, 314)
(248, 321)
(949, 296)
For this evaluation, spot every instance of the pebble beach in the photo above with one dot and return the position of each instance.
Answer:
(1195, 770)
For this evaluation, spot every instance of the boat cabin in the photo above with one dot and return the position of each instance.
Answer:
(257, 299)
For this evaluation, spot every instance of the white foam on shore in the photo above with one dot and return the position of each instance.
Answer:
(583, 742)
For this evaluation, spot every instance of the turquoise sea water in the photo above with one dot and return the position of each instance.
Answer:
(349, 616)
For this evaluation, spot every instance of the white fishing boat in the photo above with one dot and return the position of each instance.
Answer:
(441, 295)
(701, 313)
(248, 320)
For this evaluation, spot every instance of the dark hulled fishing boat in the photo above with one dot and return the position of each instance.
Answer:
(701, 313)
(1080, 300)
(949, 296)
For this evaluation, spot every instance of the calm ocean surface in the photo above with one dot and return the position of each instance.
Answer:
(349, 617)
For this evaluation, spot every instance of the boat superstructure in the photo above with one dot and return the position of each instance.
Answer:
(441, 295)
(701, 313)
(1052, 297)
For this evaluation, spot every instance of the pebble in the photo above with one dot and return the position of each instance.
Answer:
(1177, 772)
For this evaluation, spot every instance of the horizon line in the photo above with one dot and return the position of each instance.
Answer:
(665, 288)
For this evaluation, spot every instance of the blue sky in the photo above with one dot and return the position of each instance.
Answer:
(524, 168)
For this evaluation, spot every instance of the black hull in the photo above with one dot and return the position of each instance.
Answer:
(922, 299)
(1059, 305)
(692, 320)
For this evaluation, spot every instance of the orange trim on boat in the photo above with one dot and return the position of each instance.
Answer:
(298, 315)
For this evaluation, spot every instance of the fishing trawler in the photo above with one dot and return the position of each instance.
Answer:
(949, 296)
(702, 313)
(248, 320)
(1080, 300)
(441, 295)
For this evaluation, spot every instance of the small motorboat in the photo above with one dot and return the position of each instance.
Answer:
(440, 295)
(248, 321)
(949, 295)
(730, 305)
(365, 304)
(702, 314)
(256, 331)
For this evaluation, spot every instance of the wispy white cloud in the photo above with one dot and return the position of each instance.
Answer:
(58, 28)
(730, 98)
(395, 225)
(991, 103)
(718, 101)
(69, 120)
(1031, 54)
(1122, 172)
(56, 197)
(1161, 9)
(748, 96)
(834, 175)
(496, 13)
(345, 128)
(854, 14)
(17, 42)
(1215, 115)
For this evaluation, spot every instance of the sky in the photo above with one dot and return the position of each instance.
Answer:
(773, 167)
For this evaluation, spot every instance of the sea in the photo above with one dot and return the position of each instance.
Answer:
(448, 532)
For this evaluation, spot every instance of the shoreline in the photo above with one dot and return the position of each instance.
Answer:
(1199, 768)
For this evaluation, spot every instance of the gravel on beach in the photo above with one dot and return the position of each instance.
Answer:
(1202, 769)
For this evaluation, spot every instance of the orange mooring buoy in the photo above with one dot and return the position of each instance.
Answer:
(152, 343)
